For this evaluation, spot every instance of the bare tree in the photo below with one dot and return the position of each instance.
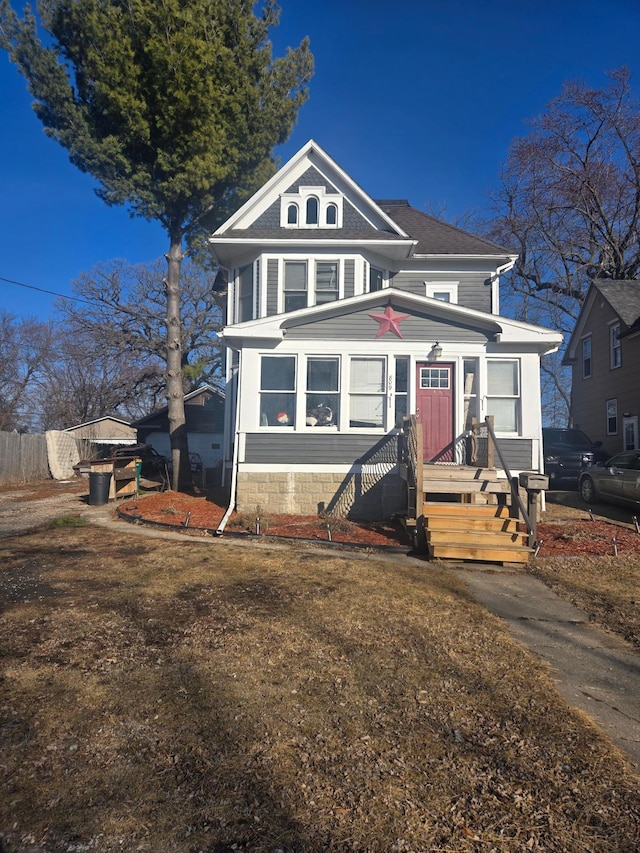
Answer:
(123, 316)
(26, 347)
(569, 204)
(80, 383)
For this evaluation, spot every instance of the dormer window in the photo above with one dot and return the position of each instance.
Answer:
(311, 207)
(312, 211)
(292, 214)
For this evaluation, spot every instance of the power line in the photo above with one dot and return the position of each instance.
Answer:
(50, 292)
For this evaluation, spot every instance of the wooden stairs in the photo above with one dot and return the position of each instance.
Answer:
(465, 512)
(465, 516)
(477, 532)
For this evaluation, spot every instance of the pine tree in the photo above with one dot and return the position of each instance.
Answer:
(173, 106)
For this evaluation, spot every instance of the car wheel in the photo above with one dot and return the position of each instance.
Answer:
(588, 490)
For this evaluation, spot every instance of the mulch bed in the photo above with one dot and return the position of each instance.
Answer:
(583, 537)
(565, 537)
(197, 513)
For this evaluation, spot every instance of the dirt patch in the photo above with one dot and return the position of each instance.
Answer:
(43, 489)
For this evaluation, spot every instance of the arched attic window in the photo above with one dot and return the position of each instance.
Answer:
(312, 210)
(292, 214)
(331, 214)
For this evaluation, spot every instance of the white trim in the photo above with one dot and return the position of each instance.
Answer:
(266, 468)
(449, 287)
(325, 200)
(309, 155)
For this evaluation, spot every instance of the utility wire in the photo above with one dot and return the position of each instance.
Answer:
(50, 292)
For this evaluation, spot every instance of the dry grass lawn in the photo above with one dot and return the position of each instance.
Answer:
(189, 697)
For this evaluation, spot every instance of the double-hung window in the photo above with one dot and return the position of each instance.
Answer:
(367, 392)
(503, 394)
(612, 417)
(295, 285)
(245, 293)
(615, 350)
(323, 391)
(326, 281)
(278, 391)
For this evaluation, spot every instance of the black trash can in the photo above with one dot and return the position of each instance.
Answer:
(99, 484)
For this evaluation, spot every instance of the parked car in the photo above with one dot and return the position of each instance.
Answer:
(615, 481)
(567, 452)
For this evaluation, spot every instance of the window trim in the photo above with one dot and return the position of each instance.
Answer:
(615, 346)
(293, 206)
(517, 396)
(283, 291)
(305, 392)
(301, 198)
(311, 262)
(448, 287)
(384, 394)
(289, 427)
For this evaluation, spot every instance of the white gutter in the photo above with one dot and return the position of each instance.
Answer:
(495, 284)
(234, 464)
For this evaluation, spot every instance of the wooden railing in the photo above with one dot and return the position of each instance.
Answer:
(412, 456)
(481, 443)
(516, 500)
(478, 447)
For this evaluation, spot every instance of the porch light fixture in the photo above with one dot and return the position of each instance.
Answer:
(436, 351)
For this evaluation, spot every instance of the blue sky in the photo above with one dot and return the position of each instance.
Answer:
(415, 99)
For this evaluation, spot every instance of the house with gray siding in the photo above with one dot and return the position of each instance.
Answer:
(604, 355)
(345, 315)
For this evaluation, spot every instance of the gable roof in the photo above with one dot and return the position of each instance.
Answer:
(623, 297)
(102, 419)
(397, 229)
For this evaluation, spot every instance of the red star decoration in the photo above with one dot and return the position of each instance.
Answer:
(389, 322)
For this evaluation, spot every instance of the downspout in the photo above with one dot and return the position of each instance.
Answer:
(234, 464)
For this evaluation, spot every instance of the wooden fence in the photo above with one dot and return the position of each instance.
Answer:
(23, 458)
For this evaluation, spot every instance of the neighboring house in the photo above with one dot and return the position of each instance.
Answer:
(104, 431)
(604, 354)
(204, 416)
(345, 314)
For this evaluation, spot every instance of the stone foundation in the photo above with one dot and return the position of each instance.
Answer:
(373, 494)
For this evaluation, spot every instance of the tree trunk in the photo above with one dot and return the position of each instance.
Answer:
(181, 472)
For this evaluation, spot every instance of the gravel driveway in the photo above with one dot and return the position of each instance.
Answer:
(27, 507)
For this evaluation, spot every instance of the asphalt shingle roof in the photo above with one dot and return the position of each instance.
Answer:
(434, 236)
(623, 296)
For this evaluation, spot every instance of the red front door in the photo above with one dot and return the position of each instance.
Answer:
(434, 409)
